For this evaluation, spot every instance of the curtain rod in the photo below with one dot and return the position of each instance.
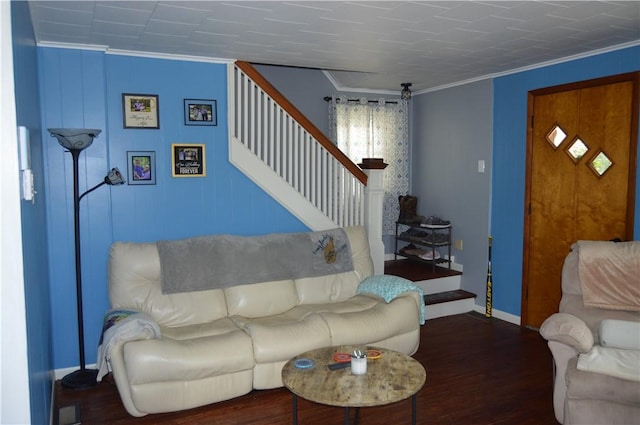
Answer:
(328, 98)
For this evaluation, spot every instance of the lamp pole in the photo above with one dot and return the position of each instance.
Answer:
(75, 140)
(83, 378)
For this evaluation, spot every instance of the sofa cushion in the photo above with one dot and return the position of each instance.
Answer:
(134, 282)
(380, 321)
(327, 289)
(261, 299)
(596, 386)
(201, 330)
(281, 337)
(620, 334)
(189, 359)
(354, 304)
(624, 364)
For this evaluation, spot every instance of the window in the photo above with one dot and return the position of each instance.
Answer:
(363, 128)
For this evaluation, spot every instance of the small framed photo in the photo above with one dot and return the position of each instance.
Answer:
(141, 167)
(140, 110)
(200, 112)
(188, 160)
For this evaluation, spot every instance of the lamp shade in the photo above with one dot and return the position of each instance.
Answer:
(114, 177)
(75, 138)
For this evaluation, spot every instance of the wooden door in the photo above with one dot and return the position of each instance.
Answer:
(572, 191)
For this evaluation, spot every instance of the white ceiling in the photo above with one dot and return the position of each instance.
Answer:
(366, 45)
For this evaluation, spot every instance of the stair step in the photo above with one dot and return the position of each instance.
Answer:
(417, 271)
(447, 296)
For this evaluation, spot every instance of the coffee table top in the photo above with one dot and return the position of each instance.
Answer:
(391, 378)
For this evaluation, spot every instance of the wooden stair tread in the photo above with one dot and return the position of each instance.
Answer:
(447, 296)
(417, 271)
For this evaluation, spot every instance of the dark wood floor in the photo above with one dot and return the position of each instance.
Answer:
(479, 372)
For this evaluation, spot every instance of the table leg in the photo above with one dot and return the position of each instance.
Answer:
(414, 408)
(356, 416)
(346, 416)
(295, 409)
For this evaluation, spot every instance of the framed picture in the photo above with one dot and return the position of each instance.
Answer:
(200, 112)
(141, 167)
(188, 160)
(140, 110)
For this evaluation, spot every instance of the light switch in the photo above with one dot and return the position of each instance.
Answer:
(28, 191)
(481, 165)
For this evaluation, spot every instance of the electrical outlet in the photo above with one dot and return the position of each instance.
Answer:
(458, 245)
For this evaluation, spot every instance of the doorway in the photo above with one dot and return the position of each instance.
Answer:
(580, 179)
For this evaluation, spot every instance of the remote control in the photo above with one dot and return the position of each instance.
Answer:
(336, 366)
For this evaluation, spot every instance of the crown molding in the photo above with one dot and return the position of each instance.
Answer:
(489, 76)
(532, 67)
(139, 53)
(169, 56)
(328, 75)
(76, 46)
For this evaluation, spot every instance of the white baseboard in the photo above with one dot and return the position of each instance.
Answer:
(507, 317)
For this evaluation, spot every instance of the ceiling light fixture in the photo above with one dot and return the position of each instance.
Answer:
(405, 94)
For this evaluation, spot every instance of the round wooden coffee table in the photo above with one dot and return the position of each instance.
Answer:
(391, 378)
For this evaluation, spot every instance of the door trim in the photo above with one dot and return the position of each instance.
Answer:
(634, 78)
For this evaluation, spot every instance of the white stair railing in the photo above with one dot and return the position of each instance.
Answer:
(270, 144)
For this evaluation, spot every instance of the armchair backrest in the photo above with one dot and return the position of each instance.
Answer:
(572, 298)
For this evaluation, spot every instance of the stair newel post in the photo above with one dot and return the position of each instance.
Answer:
(373, 202)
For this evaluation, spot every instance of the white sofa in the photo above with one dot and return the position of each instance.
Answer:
(222, 343)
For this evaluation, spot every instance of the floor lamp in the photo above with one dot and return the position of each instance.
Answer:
(75, 140)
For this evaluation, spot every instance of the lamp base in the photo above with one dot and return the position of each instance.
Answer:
(81, 379)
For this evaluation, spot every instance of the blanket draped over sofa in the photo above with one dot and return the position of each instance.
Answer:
(220, 261)
(121, 325)
(610, 274)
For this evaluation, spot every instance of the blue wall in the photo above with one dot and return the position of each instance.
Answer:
(33, 216)
(509, 160)
(84, 89)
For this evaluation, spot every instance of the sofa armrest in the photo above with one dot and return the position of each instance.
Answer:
(389, 287)
(567, 329)
(121, 326)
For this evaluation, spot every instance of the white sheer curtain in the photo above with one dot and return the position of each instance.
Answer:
(375, 129)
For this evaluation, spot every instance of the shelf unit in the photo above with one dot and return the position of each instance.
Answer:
(431, 237)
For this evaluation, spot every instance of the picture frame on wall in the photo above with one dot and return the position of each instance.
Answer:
(141, 166)
(188, 160)
(140, 110)
(200, 112)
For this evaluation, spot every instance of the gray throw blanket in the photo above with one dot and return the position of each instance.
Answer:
(220, 261)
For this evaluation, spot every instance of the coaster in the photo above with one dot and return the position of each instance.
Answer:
(303, 363)
(341, 357)
(374, 354)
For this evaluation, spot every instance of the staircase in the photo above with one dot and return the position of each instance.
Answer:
(285, 154)
(441, 286)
